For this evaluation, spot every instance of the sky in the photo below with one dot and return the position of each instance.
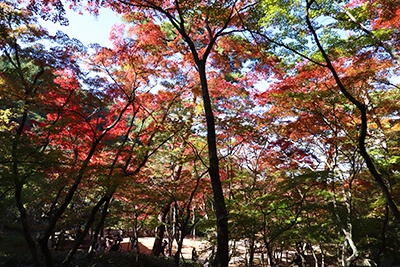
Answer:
(86, 28)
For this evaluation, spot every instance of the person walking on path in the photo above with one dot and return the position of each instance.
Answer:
(163, 245)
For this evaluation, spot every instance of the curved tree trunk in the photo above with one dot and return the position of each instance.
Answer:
(364, 122)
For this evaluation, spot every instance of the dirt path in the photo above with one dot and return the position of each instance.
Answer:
(146, 244)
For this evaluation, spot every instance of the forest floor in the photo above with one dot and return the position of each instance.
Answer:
(202, 248)
(13, 244)
(146, 244)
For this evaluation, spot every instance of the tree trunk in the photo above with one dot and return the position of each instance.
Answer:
(315, 257)
(222, 256)
(354, 254)
(99, 226)
(364, 123)
(251, 251)
(19, 185)
(89, 223)
(383, 235)
(178, 252)
(160, 229)
(26, 228)
(270, 259)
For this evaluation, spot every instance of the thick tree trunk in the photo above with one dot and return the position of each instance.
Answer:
(178, 252)
(251, 251)
(160, 229)
(222, 256)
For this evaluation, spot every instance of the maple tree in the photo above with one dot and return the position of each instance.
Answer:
(152, 113)
(27, 73)
(324, 51)
(198, 26)
(326, 127)
(80, 122)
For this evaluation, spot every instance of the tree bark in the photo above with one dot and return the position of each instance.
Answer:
(89, 223)
(160, 229)
(19, 184)
(251, 251)
(364, 122)
(99, 226)
(222, 256)
(26, 227)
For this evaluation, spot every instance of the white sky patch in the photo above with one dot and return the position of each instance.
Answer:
(86, 28)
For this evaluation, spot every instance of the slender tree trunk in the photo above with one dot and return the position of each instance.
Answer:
(344, 252)
(19, 186)
(135, 238)
(377, 41)
(315, 257)
(99, 225)
(26, 227)
(72, 189)
(354, 254)
(364, 122)
(89, 223)
(383, 235)
(269, 254)
(322, 259)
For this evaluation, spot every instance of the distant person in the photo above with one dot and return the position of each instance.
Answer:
(194, 254)
(79, 233)
(109, 234)
(163, 245)
(103, 243)
(118, 238)
(135, 248)
(109, 244)
(115, 247)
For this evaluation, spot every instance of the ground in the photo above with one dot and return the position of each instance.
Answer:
(146, 244)
(14, 244)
